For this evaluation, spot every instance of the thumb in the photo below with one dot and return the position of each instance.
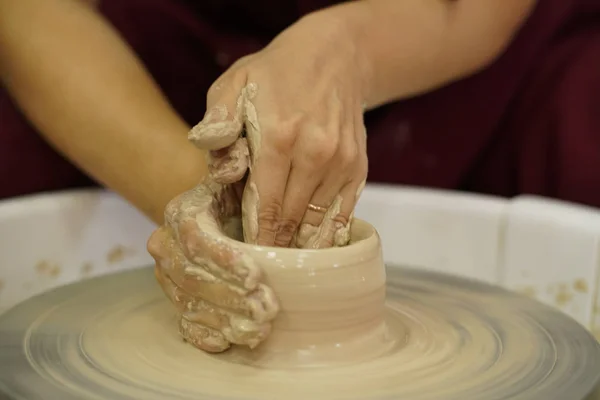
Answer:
(223, 122)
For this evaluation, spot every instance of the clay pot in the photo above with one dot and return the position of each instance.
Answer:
(331, 300)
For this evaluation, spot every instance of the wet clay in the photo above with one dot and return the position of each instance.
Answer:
(331, 304)
(435, 337)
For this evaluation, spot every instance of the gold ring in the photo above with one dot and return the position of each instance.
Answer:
(320, 209)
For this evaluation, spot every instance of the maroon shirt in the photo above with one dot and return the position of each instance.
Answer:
(530, 123)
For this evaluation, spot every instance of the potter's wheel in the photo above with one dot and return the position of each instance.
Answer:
(115, 338)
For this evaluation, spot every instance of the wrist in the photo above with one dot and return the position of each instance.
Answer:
(342, 28)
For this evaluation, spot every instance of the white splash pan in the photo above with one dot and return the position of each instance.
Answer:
(549, 250)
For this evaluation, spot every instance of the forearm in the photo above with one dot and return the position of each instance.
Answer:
(414, 46)
(87, 93)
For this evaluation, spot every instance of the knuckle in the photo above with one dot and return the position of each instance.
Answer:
(322, 148)
(348, 155)
(288, 226)
(241, 62)
(269, 303)
(238, 73)
(190, 240)
(285, 232)
(156, 243)
(284, 140)
(285, 134)
(202, 337)
(173, 207)
(360, 166)
(229, 166)
(215, 90)
(268, 216)
(233, 79)
(363, 167)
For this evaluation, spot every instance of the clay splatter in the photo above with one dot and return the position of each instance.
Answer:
(118, 254)
(47, 268)
(87, 268)
(581, 286)
(563, 295)
(528, 291)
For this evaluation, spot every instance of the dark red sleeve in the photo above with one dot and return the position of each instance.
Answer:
(549, 143)
(530, 123)
(27, 164)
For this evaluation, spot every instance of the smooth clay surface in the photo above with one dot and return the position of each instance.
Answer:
(113, 338)
(331, 304)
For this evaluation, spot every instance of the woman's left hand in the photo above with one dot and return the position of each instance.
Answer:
(301, 102)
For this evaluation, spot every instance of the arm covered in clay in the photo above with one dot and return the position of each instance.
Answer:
(414, 46)
(88, 95)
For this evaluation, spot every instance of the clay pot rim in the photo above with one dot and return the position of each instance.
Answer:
(368, 238)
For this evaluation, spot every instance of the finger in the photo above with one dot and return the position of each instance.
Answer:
(350, 159)
(229, 165)
(190, 203)
(209, 201)
(235, 328)
(221, 127)
(223, 122)
(157, 244)
(263, 197)
(323, 235)
(350, 195)
(186, 302)
(334, 228)
(330, 150)
(202, 337)
(260, 304)
(193, 283)
(323, 199)
(193, 218)
(299, 189)
(214, 253)
(303, 235)
(342, 234)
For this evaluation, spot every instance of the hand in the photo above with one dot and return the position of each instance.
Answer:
(300, 102)
(215, 287)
